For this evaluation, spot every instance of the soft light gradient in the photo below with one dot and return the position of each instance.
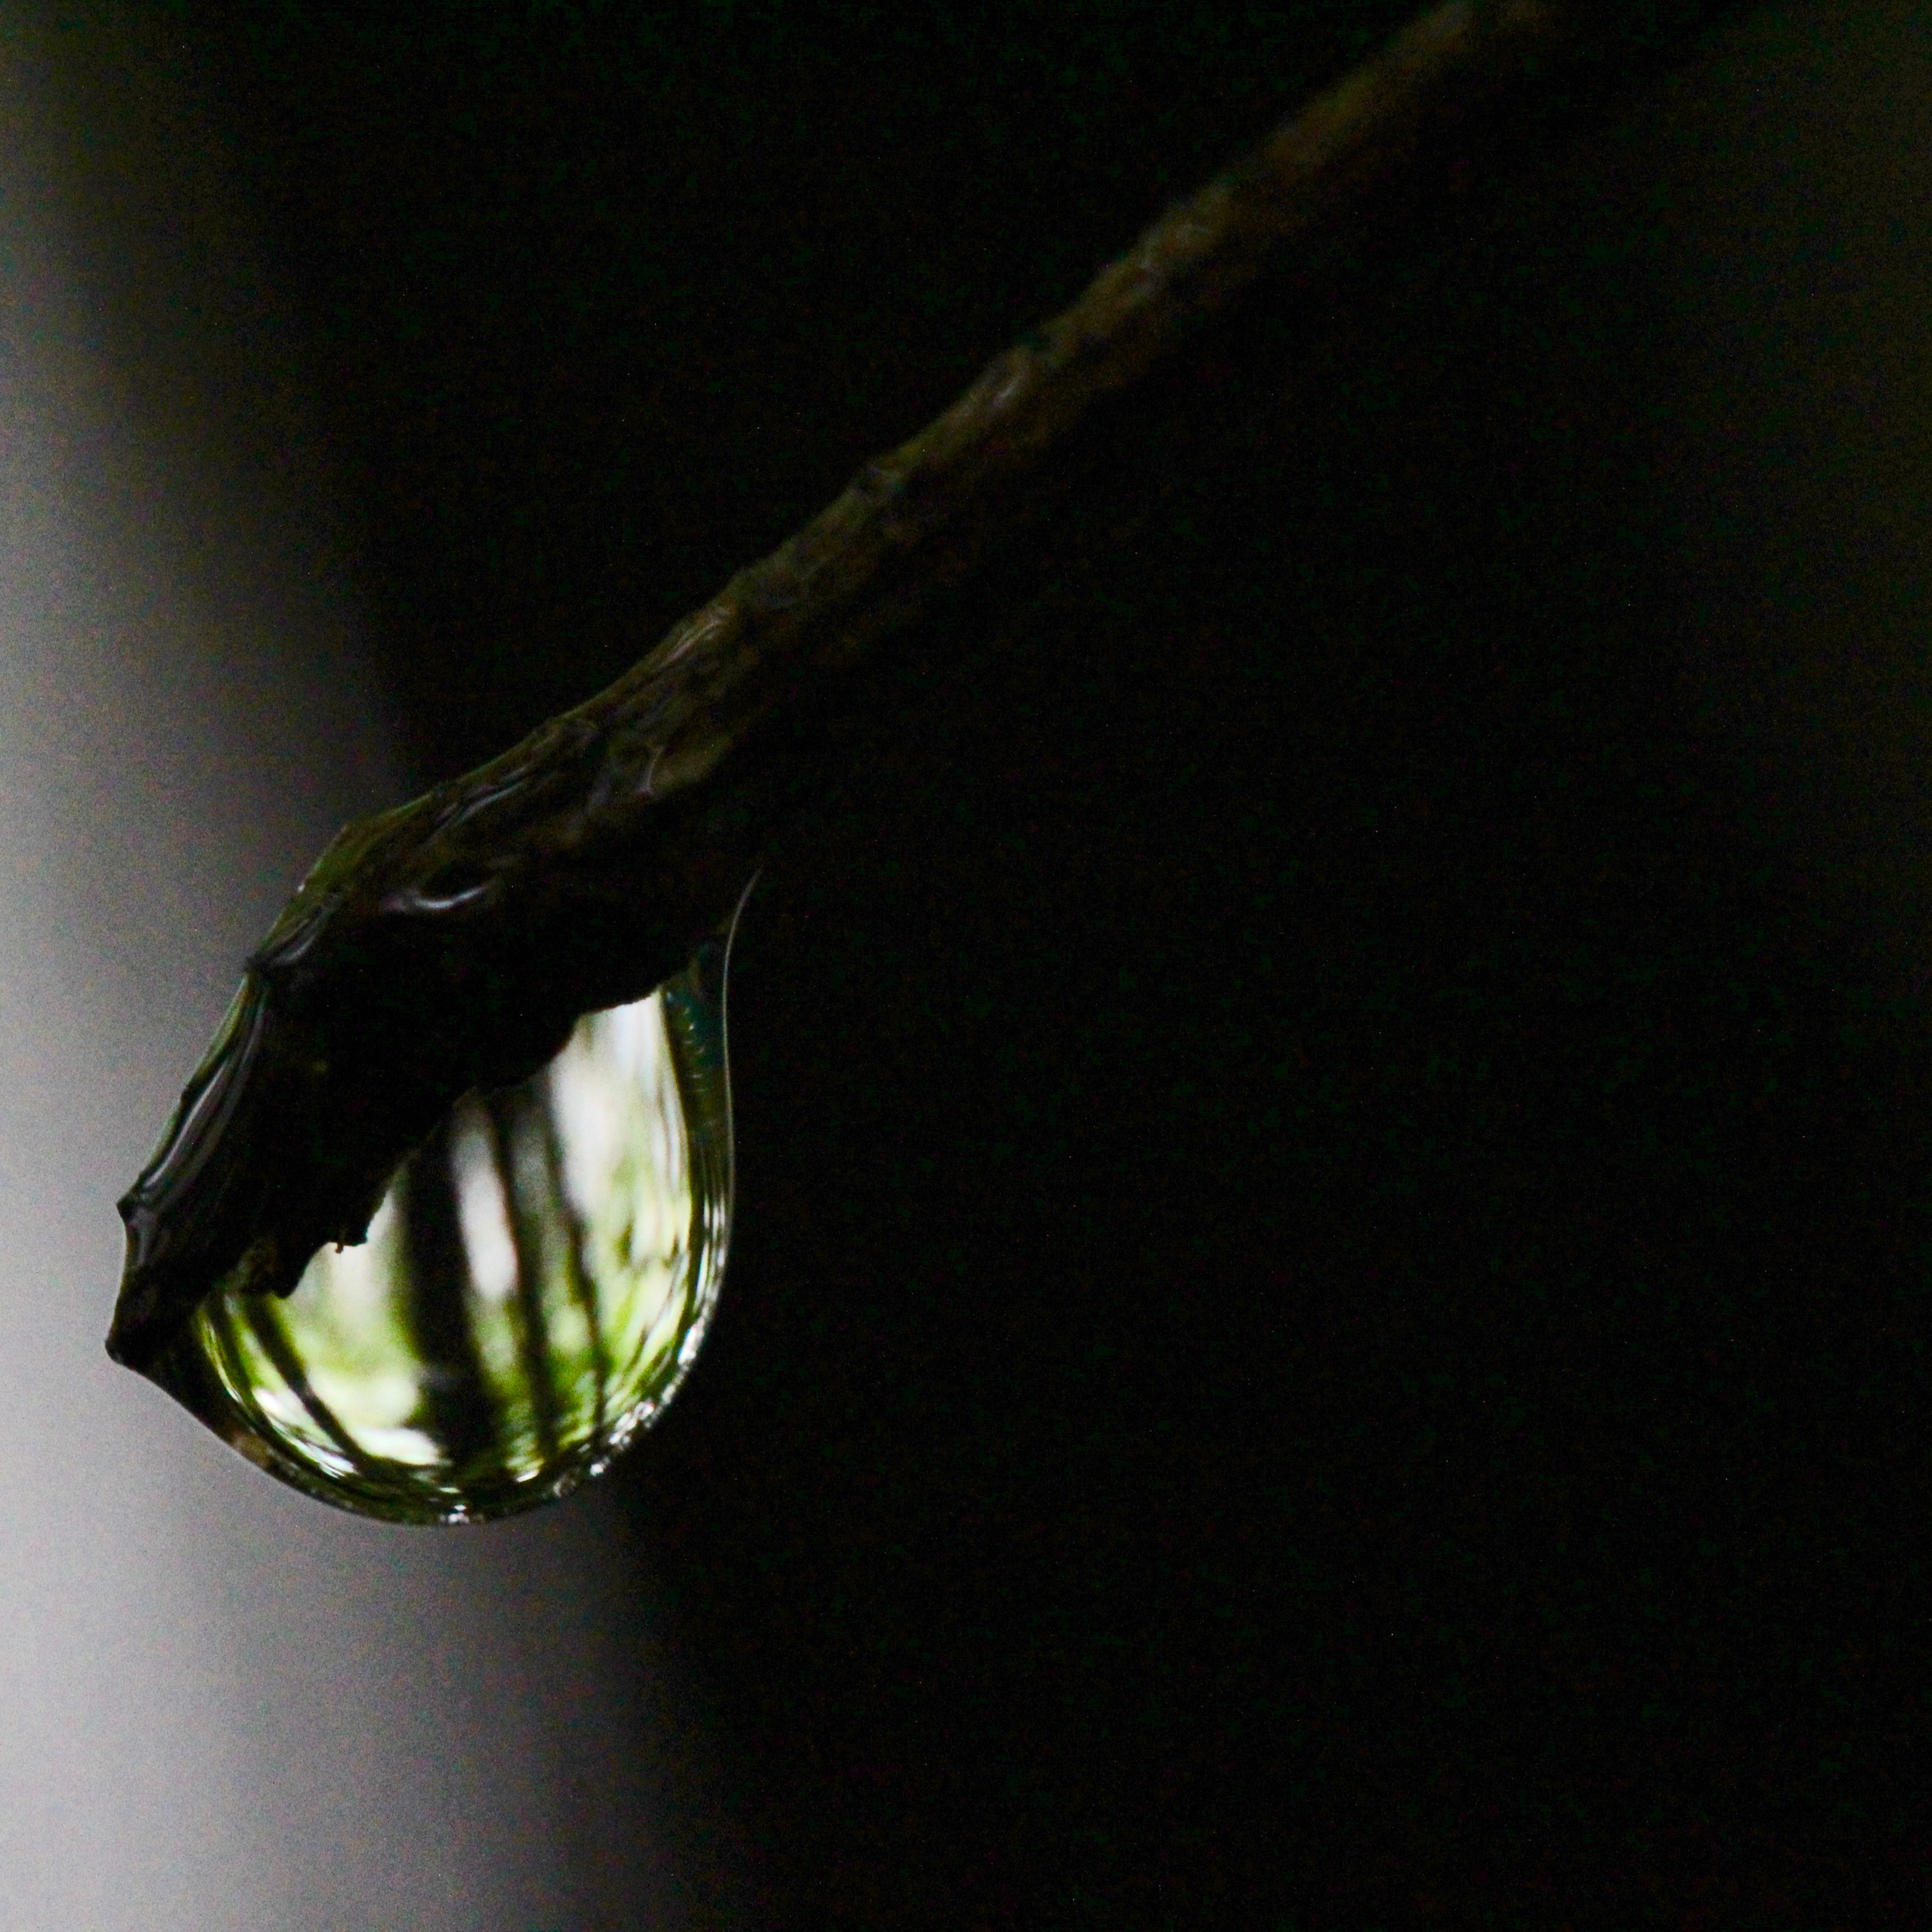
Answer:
(222, 1705)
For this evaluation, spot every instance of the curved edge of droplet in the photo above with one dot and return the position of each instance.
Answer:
(187, 1372)
(713, 1245)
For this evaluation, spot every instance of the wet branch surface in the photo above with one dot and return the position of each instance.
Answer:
(451, 944)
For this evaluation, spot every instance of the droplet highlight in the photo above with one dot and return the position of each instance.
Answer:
(533, 1288)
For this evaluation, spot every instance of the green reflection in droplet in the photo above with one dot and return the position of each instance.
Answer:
(533, 1288)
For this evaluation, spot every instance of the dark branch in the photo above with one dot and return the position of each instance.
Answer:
(450, 944)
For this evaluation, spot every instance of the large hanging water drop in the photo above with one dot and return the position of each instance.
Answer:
(533, 1288)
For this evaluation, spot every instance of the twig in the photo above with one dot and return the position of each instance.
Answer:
(450, 944)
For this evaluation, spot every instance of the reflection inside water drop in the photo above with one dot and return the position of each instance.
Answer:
(534, 1286)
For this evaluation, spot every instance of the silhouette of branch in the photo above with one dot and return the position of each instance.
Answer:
(450, 944)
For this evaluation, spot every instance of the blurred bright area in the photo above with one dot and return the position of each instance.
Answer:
(221, 1706)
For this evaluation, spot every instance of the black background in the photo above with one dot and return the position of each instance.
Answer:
(1327, 1318)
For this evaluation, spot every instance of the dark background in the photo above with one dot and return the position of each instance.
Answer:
(1328, 1320)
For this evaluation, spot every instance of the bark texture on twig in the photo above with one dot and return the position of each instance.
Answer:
(450, 944)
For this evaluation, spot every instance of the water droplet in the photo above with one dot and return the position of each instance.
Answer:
(534, 1286)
